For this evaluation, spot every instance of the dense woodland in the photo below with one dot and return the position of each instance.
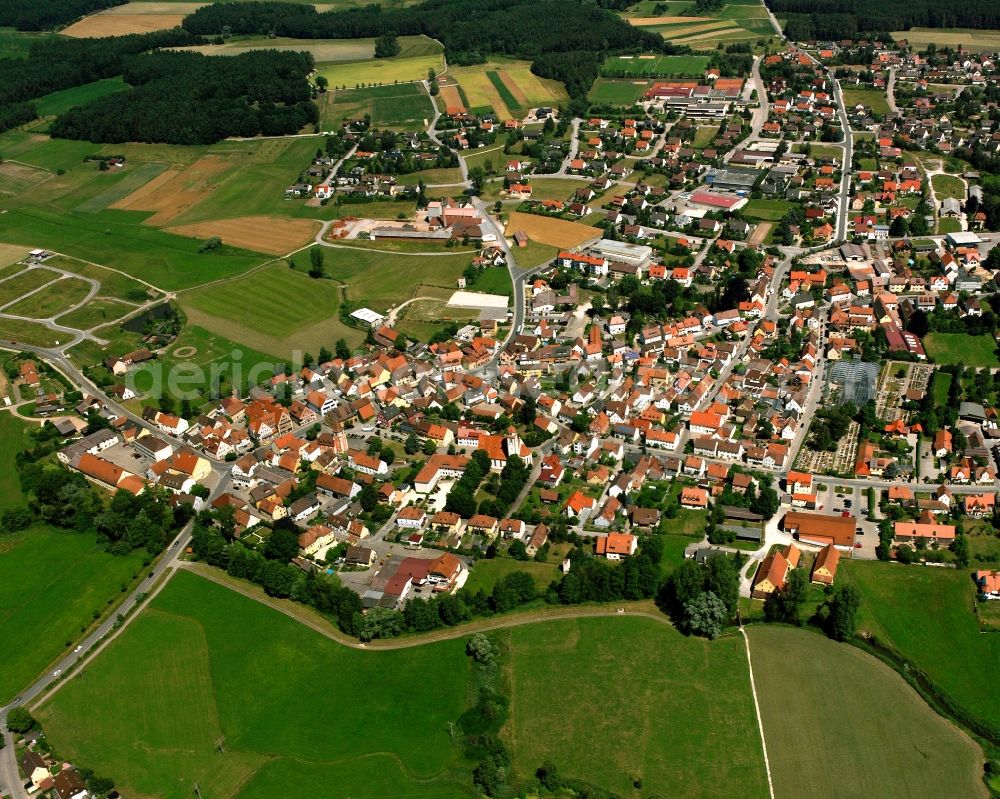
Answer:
(847, 19)
(39, 15)
(188, 98)
(570, 52)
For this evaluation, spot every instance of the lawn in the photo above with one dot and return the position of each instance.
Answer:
(961, 348)
(298, 312)
(60, 102)
(285, 699)
(51, 584)
(534, 254)
(948, 186)
(948, 225)
(615, 700)
(874, 99)
(926, 614)
(486, 572)
(876, 735)
(494, 281)
(616, 92)
(768, 210)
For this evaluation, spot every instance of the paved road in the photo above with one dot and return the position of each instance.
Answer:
(890, 91)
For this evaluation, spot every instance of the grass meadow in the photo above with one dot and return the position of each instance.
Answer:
(927, 616)
(872, 733)
(60, 102)
(51, 584)
(286, 699)
(612, 701)
(948, 186)
(403, 105)
(961, 348)
(873, 99)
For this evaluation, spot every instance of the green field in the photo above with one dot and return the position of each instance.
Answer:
(51, 584)
(948, 186)
(51, 300)
(960, 348)
(876, 735)
(15, 44)
(495, 281)
(302, 313)
(118, 238)
(99, 311)
(947, 225)
(927, 616)
(402, 105)
(13, 439)
(486, 572)
(664, 66)
(768, 210)
(970, 39)
(639, 701)
(616, 92)
(28, 280)
(151, 709)
(60, 102)
(873, 99)
(30, 333)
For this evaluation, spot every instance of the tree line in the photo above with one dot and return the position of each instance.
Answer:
(850, 19)
(40, 15)
(189, 98)
(470, 32)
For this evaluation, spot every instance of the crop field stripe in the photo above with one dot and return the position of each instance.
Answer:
(756, 707)
(137, 178)
(505, 93)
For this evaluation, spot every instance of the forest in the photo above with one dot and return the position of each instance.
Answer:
(849, 19)
(189, 98)
(570, 52)
(40, 15)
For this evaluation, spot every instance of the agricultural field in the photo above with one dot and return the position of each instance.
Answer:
(743, 20)
(677, 713)
(617, 92)
(418, 54)
(298, 312)
(768, 210)
(972, 40)
(268, 234)
(661, 66)
(60, 102)
(960, 348)
(553, 232)
(873, 99)
(878, 737)
(404, 105)
(946, 186)
(507, 87)
(52, 582)
(125, 720)
(131, 18)
(927, 616)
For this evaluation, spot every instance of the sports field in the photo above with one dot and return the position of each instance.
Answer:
(927, 615)
(857, 730)
(617, 92)
(404, 105)
(51, 584)
(969, 39)
(293, 311)
(645, 704)
(285, 699)
(554, 232)
(131, 18)
(960, 348)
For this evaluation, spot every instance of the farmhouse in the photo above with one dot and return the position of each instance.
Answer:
(821, 529)
(824, 569)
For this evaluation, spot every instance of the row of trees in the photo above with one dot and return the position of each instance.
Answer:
(849, 19)
(189, 98)
(39, 15)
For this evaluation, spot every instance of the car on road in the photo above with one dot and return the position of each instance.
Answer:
(57, 672)
(857, 545)
(78, 649)
(845, 513)
(847, 503)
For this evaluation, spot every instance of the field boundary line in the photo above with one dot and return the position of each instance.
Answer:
(756, 707)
